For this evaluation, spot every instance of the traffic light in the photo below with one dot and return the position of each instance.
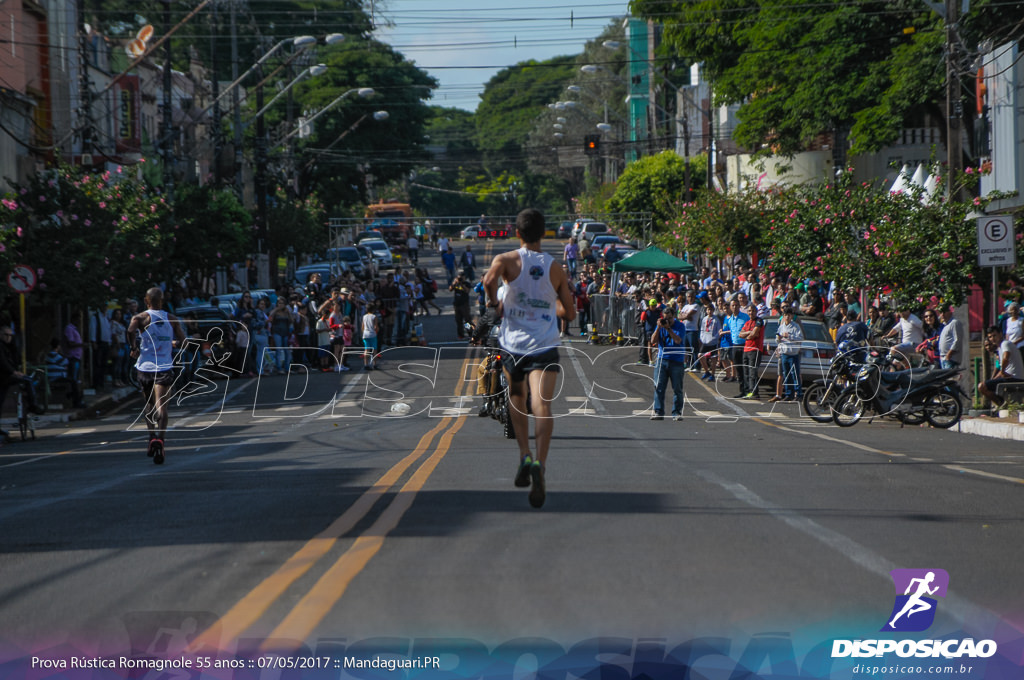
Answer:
(592, 145)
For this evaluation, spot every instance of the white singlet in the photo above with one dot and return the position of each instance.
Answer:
(530, 321)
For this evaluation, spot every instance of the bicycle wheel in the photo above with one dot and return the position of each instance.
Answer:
(848, 409)
(818, 402)
(943, 409)
(506, 422)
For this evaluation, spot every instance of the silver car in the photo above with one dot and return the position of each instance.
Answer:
(816, 351)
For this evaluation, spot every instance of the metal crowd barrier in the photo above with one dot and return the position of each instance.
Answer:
(610, 315)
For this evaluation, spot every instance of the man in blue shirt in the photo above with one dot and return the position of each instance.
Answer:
(448, 260)
(667, 342)
(733, 325)
(854, 330)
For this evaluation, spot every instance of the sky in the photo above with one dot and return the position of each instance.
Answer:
(463, 43)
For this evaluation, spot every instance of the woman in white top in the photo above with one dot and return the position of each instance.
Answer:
(370, 325)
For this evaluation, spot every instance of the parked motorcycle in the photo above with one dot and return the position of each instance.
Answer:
(912, 395)
(820, 396)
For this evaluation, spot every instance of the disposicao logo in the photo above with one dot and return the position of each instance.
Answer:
(914, 611)
(915, 606)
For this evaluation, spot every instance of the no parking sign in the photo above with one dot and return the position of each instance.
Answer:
(996, 241)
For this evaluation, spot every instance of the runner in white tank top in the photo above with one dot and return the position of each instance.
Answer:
(536, 295)
(529, 324)
(151, 334)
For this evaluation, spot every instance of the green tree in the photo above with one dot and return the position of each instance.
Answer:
(510, 104)
(90, 236)
(654, 184)
(299, 224)
(798, 70)
(212, 230)
(348, 141)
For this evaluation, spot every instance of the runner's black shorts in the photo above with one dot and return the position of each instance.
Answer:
(518, 365)
(147, 378)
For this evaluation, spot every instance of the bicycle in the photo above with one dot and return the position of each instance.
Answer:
(26, 421)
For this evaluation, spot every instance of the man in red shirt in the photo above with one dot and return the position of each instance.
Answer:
(753, 336)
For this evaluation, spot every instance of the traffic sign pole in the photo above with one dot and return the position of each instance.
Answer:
(24, 346)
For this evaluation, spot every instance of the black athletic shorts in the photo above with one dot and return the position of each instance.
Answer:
(147, 379)
(518, 365)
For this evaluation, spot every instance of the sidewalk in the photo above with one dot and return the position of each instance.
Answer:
(97, 403)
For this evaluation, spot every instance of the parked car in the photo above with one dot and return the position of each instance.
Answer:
(578, 224)
(604, 240)
(381, 253)
(816, 351)
(471, 232)
(623, 249)
(592, 229)
(328, 272)
(369, 261)
(370, 235)
(229, 302)
(564, 230)
(350, 258)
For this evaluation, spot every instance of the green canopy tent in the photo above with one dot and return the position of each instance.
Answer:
(653, 259)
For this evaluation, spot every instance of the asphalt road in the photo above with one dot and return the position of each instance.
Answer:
(303, 510)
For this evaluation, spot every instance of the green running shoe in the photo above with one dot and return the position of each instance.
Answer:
(523, 473)
(537, 493)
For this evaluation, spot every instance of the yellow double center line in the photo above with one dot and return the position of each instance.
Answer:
(321, 598)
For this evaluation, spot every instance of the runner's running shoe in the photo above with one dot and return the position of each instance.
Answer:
(537, 492)
(157, 446)
(523, 473)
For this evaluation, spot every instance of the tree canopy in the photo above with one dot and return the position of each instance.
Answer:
(348, 141)
(512, 100)
(799, 69)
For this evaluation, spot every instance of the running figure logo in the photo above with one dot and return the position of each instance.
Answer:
(914, 610)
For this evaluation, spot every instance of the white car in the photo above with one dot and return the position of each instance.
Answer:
(471, 232)
(381, 252)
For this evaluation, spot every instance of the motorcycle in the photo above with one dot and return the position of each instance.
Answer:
(494, 384)
(820, 396)
(912, 395)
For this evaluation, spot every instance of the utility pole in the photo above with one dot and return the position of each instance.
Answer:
(168, 123)
(86, 87)
(235, 102)
(218, 138)
(261, 176)
(954, 106)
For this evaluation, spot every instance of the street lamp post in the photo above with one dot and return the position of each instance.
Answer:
(260, 179)
(315, 70)
(361, 91)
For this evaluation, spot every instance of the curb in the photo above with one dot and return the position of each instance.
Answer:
(991, 428)
(94, 409)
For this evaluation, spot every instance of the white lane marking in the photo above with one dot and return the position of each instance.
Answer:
(982, 473)
(77, 431)
(587, 386)
(961, 608)
(856, 445)
(455, 411)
